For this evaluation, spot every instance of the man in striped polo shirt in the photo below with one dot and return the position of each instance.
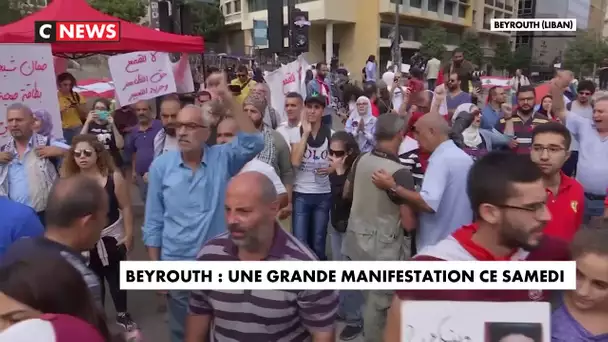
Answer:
(268, 316)
(520, 123)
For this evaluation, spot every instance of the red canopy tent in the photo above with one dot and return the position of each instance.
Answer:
(133, 37)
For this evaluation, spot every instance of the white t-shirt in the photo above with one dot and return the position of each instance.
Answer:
(307, 181)
(285, 131)
(170, 144)
(267, 170)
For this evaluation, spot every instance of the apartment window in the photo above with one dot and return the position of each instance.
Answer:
(385, 30)
(522, 40)
(462, 11)
(416, 3)
(433, 5)
(508, 8)
(257, 5)
(237, 6)
(228, 8)
(489, 2)
(448, 8)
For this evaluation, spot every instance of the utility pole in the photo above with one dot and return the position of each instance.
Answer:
(396, 53)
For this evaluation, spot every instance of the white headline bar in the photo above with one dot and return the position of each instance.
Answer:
(533, 25)
(347, 275)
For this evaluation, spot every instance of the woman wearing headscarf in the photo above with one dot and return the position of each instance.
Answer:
(361, 124)
(43, 123)
(474, 140)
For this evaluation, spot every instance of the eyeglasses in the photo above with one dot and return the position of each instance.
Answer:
(550, 149)
(537, 208)
(80, 153)
(337, 153)
(190, 126)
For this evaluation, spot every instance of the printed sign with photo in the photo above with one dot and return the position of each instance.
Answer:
(27, 76)
(423, 321)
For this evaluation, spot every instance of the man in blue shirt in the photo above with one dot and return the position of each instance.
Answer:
(186, 188)
(492, 112)
(18, 221)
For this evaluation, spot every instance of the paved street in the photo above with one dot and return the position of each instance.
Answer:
(144, 305)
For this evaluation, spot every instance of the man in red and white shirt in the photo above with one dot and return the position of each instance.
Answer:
(510, 203)
(565, 196)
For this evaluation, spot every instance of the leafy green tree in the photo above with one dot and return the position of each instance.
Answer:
(433, 40)
(471, 46)
(521, 59)
(207, 20)
(129, 10)
(502, 56)
(14, 10)
(584, 51)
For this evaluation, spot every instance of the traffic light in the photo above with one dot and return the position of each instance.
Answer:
(299, 31)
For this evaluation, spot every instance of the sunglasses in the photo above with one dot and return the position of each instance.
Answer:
(337, 153)
(86, 153)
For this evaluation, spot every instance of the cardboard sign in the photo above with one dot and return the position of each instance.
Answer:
(423, 321)
(141, 76)
(27, 76)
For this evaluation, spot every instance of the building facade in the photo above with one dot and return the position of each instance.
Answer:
(354, 29)
(547, 47)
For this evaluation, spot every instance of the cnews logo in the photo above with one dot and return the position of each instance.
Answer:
(77, 31)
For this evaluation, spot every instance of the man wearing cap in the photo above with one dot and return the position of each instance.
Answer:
(311, 190)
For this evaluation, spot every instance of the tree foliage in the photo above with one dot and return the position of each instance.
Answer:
(14, 10)
(584, 51)
(471, 46)
(433, 40)
(129, 10)
(522, 58)
(503, 56)
(207, 20)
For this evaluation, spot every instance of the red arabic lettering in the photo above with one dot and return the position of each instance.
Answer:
(29, 67)
(136, 95)
(158, 76)
(159, 89)
(9, 96)
(139, 60)
(153, 56)
(33, 93)
(140, 79)
(4, 68)
(291, 78)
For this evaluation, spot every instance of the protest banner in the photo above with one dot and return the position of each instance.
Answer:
(141, 76)
(27, 76)
(289, 77)
(474, 321)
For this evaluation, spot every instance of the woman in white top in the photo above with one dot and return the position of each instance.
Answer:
(362, 124)
(311, 190)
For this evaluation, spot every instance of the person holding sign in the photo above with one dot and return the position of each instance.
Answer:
(72, 106)
(507, 194)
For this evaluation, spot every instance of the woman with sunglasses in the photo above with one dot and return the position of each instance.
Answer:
(88, 156)
(343, 151)
(473, 139)
(100, 123)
